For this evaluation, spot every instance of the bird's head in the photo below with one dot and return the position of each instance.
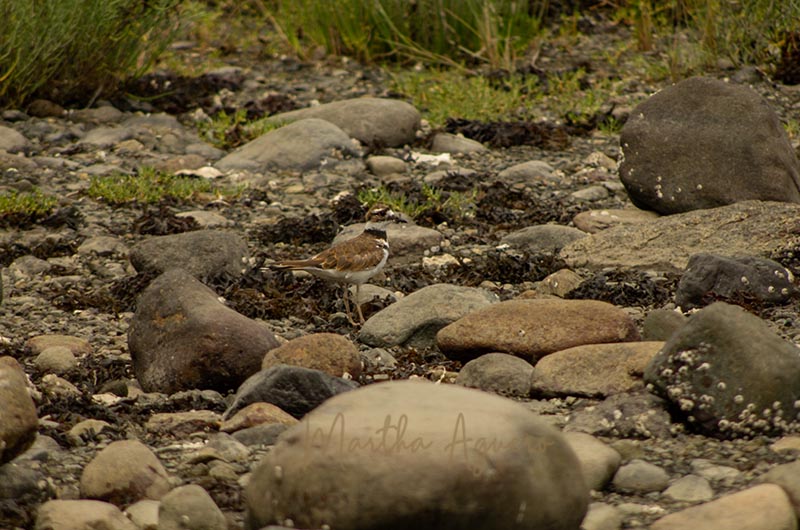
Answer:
(380, 215)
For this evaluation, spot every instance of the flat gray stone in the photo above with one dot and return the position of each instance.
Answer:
(371, 121)
(13, 141)
(748, 228)
(301, 146)
(549, 238)
(415, 319)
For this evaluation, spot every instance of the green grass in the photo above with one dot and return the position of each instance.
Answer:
(441, 94)
(77, 49)
(452, 32)
(150, 186)
(228, 131)
(18, 208)
(453, 204)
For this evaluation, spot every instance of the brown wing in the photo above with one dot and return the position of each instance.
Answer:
(361, 252)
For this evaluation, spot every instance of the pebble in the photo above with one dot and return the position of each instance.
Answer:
(690, 488)
(640, 477)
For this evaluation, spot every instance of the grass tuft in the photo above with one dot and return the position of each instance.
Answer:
(78, 50)
(19, 208)
(150, 186)
(452, 204)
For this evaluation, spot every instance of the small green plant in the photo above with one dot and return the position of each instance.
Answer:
(19, 208)
(150, 186)
(78, 49)
(228, 131)
(610, 126)
(454, 204)
(442, 94)
(572, 98)
(792, 128)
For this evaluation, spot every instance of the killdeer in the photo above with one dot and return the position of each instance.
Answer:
(353, 261)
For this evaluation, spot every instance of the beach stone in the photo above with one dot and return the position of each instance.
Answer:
(598, 461)
(534, 328)
(593, 370)
(499, 373)
(371, 121)
(787, 476)
(691, 488)
(205, 254)
(711, 277)
(527, 172)
(548, 238)
(18, 418)
(293, 389)
(405, 239)
(301, 146)
(639, 476)
(557, 284)
(76, 345)
(393, 461)
(328, 352)
(182, 337)
(627, 415)
(728, 373)
(257, 414)
(749, 228)
(192, 507)
(602, 516)
(596, 220)
(81, 515)
(144, 514)
(415, 319)
(660, 324)
(702, 143)
(124, 472)
(13, 141)
(455, 144)
(762, 507)
(386, 165)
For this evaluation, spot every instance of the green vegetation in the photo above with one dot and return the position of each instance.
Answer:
(441, 94)
(228, 131)
(78, 49)
(18, 208)
(452, 32)
(453, 204)
(151, 186)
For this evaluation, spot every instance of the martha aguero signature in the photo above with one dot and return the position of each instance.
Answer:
(393, 437)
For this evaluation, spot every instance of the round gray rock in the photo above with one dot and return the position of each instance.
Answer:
(410, 454)
(498, 372)
(703, 143)
(190, 507)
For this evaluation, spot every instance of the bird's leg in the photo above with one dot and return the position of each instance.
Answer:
(345, 296)
(358, 305)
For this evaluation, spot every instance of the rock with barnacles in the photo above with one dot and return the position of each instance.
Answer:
(412, 454)
(711, 277)
(729, 374)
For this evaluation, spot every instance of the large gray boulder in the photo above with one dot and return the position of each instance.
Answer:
(703, 143)
(182, 338)
(411, 454)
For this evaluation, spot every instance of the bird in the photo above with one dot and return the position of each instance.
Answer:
(353, 261)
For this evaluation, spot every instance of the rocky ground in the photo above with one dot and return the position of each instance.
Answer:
(71, 275)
